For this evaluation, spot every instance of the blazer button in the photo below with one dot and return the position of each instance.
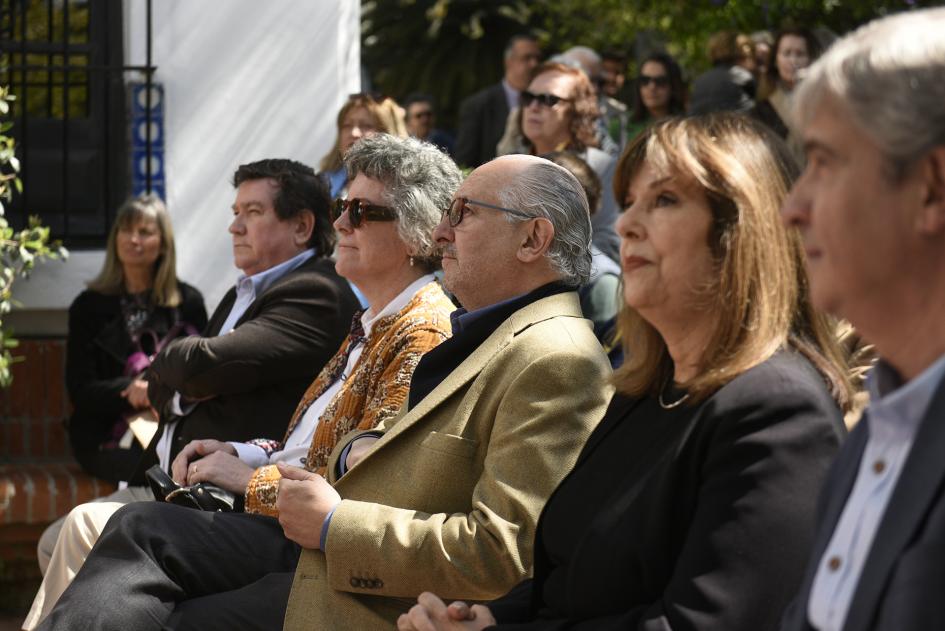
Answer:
(377, 583)
(354, 582)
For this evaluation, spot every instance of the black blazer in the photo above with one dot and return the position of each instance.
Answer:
(902, 584)
(482, 119)
(710, 517)
(253, 377)
(96, 350)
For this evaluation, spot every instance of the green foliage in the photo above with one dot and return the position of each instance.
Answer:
(19, 250)
(451, 48)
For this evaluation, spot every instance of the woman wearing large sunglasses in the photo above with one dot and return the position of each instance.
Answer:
(558, 113)
(660, 92)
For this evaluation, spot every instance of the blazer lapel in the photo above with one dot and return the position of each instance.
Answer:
(655, 445)
(220, 314)
(552, 306)
(607, 425)
(918, 484)
(834, 496)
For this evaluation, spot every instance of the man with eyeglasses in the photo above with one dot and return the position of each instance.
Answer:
(482, 116)
(445, 495)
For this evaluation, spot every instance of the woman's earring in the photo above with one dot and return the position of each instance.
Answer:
(411, 261)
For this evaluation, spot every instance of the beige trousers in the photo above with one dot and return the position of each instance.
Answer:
(64, 546)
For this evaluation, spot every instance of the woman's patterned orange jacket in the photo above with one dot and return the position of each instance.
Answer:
(375, 390)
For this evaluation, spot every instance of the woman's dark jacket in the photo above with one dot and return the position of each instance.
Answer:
(96, 351)
(694, 518)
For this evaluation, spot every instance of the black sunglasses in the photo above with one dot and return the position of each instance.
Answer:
(457, 210)
(661, 81)
(360, 211)
(548, 100)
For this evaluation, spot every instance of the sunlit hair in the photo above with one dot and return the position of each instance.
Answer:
(722, 47)
(419, 182)
(388, 119)
(584, 109)
(760, 298)
(544, 189)
(890, 76)
(111, 280)
(585, 175)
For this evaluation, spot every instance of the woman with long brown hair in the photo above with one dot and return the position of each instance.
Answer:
(691, 505)
(559, 112)
(134, 305)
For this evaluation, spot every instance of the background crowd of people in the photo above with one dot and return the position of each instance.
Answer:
(467, 438)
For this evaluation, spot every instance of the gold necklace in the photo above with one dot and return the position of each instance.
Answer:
(670, 406)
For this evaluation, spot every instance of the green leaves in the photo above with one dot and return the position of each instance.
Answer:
(452, 48)
(19, 250)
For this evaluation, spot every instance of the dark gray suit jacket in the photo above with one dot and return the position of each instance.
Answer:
(253, 377)
(482, 119)
(902, 587)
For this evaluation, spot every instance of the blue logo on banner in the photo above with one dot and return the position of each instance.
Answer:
(147, 121)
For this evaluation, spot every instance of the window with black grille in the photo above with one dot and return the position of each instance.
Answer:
(63, 59)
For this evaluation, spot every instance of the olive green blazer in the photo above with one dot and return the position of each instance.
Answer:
(449, 497)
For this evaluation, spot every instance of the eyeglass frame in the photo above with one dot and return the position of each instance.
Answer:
(448, 212)
(360, 211)
(542, 99)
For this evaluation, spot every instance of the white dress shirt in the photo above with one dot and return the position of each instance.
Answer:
(894, 415)
(297, 445)
(247, 289)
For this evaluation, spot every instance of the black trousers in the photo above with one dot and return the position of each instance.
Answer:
(160, 566)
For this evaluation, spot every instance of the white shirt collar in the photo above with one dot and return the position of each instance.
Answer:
(399, 302)
(898, 408)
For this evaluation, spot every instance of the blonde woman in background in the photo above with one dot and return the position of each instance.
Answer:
(362, 116)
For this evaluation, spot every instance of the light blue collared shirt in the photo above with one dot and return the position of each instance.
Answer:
(894, 415)
(337, 180)
(249, 287)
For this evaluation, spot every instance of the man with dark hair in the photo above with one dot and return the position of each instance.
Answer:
(613, 74)
(298, 190)
(420, 117)
(286, 316)
(267, 340)
(482, 116)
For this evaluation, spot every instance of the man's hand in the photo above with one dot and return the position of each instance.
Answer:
(304, 501)
(137, 394)
(359, 448)
(222, 469)
(195, 450)
(431, 614)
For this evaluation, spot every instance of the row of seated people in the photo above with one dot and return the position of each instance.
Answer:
(447, 496)
(496, 456)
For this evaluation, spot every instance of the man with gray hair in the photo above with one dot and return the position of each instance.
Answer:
(446, 495)
(871, 209)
